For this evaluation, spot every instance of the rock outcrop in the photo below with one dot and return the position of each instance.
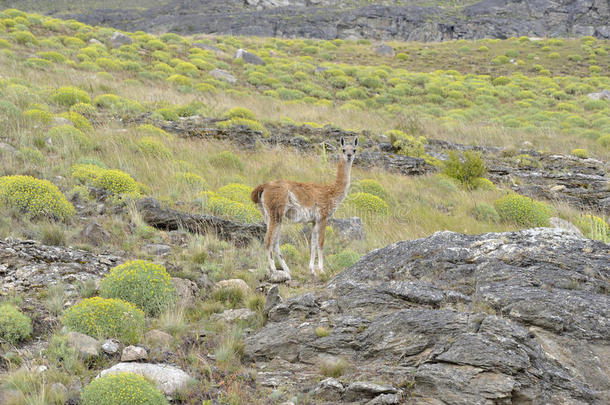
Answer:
(27, 264)
(329, 19)
(517, 317)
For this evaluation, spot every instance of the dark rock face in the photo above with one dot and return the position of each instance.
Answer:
(329, 19)
(26, 265)
(518, 317)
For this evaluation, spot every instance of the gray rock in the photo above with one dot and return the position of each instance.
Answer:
(85, 346)
(384, 50)
(28, 265)
(118, 39)
(110, 346)
(329, 389)
(95, 234)
(207, 47)
(57, 121)
(602, 95)
(232, 315)
(94, 41)
(59, 388)
(234, 283)
(157, 337)
(279, 276)
(424, 311)
(134, 353)
(249, 57)
(157, 249)
(348, 228)
(168, 379)
(187, 291)
(566, 225)
(6, 147)
(223, 75)
(273, 299)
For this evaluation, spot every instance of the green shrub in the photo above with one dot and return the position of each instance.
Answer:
(233, 122)
(500, 60)
(78, 120)
(236, 192)
(226, 160)
(467, 171)
(339, 82)
(38, 116)
(522, 210)
(191, 179)
(167, 114)
(406, 144)
(38, 63)
(290, 253)
(14, 325)
(483, 48)
(112, 180)
(24, 37)
(365, 203)
(228, 208)
(372, 187)
(481, 183)
(500, 81)
(179, 80)
(594, 227)
(371, 82)
(34, 197)
(604, 140)
(68, 96)
(144, 284)
(109, 101)
(153, 147)
(147, 129)
(231, 296)
(122, 389)
(343, 260)
(486, 213)
(68, 135)
(106, 318)
(580, 153)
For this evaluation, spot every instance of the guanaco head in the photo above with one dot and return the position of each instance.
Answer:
(349, 150)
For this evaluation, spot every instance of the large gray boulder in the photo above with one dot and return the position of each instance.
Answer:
(85, 346)
(249, 57)
(516, 317)
(168, 379)
(118, 39)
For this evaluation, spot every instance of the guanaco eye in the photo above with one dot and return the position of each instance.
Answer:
(343, 150)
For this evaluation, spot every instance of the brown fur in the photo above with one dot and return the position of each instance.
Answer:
(323, 199)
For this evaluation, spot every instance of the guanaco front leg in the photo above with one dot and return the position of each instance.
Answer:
(314, 246)
(321, 235)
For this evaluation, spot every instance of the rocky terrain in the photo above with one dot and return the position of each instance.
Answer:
(329, 19)
(579, 182)
(518, 317)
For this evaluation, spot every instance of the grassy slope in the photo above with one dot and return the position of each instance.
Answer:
(418, 206)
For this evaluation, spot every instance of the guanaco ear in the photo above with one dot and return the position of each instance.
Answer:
(356, 141)
(342, 141)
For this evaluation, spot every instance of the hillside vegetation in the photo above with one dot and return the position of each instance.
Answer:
(71, 110)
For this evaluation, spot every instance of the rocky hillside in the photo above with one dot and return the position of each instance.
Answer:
(519, 317)
(329, 19)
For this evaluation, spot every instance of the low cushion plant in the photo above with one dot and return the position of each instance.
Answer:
(34, 197)
(365, 203)
(106, 318)
(523, 210)
(14, 325)
(145, 284)
(122, 389)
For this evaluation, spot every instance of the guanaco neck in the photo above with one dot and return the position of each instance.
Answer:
(343, 178)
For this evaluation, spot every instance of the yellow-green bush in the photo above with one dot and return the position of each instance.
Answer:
(481, 183)
(34, 197)
(78, 120)
(406, 144)
(67, 135)
(14, 325)
(365, 203)
(106, 318)
(580, 153)
(227, 160)
(191, 179)
(228, 208)
(148, 129)
(38, 116)
(122, 389)
(594, 227)
(145, 284)
(24, 37)
(290, 253)
(179, 79)
(467, 171)
(69, 95)
(486, 213)
(236, 192)
(604, 140)
(240, 112)
(112, 180)
(254, 125)
(372, 187)
(343, 260)
(153, 147)
(523, 210)
(109, 101)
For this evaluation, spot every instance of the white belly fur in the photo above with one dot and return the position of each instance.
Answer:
(297, 213)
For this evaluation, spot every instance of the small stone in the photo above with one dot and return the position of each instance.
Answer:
(59, 388)
(329, 389)
(360, 390)
(158, 338)
(231, 315)
(40, 369)
(567, 225)
(10, 149)
(384, 50)
(223, 75)
(234, 283)
(602, 95)
(249, 57)
(85, 346)
(95, 234)
(134, 353)
(157, 249)
(95, 41)
(279, 276)
(118, 39)
(110, 346)
(186, 291)
(273, 299)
